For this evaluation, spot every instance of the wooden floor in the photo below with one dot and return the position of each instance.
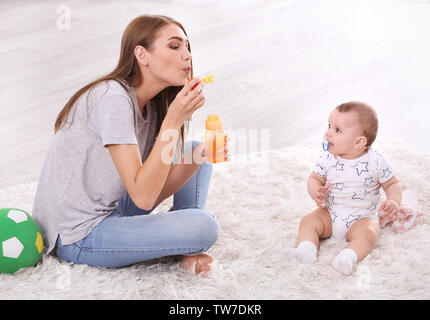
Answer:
(279, 65)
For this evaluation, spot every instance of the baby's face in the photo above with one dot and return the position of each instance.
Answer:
(342, 133)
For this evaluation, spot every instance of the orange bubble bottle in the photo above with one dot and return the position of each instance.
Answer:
(214, 138)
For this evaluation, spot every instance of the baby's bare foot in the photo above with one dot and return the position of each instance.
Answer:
(200, 264)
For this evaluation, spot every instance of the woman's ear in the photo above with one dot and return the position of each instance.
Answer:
(141, 55)
(360, 142)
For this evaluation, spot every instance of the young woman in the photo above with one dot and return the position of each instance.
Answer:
(111, 160)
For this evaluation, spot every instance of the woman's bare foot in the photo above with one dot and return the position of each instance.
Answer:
(201, 263)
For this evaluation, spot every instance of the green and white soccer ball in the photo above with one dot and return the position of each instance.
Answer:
(21, 242)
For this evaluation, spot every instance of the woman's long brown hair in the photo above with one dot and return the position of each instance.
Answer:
(140, 31)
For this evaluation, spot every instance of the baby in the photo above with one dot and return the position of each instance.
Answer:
(345, 185)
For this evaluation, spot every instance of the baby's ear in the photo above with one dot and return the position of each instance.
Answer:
(360, 143)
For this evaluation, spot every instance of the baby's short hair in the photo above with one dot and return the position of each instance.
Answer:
(367, 117)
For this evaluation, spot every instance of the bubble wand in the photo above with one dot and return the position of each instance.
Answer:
(207, 80)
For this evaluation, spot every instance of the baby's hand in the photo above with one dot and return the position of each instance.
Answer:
(321, 194)
(391, 209)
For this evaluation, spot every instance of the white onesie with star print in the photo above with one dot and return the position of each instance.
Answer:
(355, 187)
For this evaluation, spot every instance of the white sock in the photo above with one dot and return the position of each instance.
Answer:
(345, 261)
(306, 252)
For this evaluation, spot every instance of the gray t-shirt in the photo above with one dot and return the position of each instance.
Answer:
(79, 183)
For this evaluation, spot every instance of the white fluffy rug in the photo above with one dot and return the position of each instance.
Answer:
(259, 216)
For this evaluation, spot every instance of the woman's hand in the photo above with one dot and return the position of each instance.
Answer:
(187, 101)
(226, 150)
(200, 152)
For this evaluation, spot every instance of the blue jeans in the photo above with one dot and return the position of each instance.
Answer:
(130, 235)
